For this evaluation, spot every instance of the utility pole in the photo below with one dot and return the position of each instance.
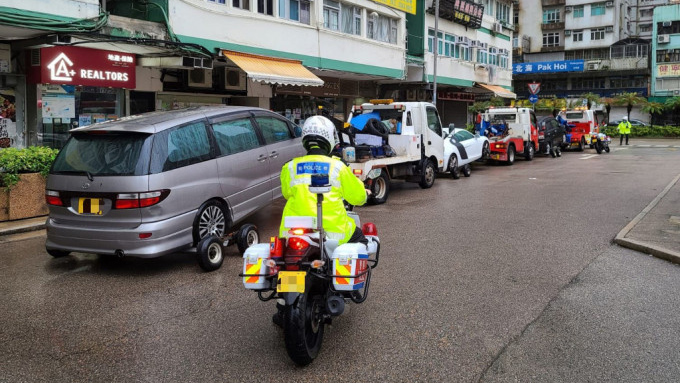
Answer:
(436, 51)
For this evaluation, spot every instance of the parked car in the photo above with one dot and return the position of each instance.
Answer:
(155, 183)
(550, 136)
(461, 148)
(633, 122)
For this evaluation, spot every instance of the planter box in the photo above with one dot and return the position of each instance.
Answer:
(25, 200)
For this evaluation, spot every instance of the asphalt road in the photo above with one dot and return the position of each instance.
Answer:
(509, 275)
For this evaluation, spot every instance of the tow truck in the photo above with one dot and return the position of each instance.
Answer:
(581, 125)
(510, 131)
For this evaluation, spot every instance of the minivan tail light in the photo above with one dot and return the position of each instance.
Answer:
(138, 200)
(52, 198)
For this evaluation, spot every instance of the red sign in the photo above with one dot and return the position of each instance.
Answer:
(87, 67)
(455, 96)
(534, 87)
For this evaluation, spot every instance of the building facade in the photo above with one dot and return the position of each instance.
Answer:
(90, 60)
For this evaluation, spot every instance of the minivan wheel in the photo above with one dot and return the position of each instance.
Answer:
(210, 253)
(247, 235)
(210, 220)
(57, 253)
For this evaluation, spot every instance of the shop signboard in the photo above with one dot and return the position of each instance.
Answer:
(455, 96)
(87, 67)
(402, 5)
(548, 67)
(465, 12)
(668, 70)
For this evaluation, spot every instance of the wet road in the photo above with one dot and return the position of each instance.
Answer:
(509, 275)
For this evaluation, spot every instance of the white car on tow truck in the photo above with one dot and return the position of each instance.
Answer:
(461, 148)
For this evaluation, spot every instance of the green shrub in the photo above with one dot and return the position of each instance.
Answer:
(646, 131)
(34, 159)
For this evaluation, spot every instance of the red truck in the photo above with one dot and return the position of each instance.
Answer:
(510, 131)
(581, 124)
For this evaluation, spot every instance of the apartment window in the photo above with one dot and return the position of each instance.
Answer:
(626, 82)
(488, 7)
(351, 19)
(503, 12)
(646, 12)
(551, 16)
(440, 42)
(331, 15)
(493, 57)
(587, 54)
(645, 27)
(296, 10)
(577, 11)
(551, 39)
(515, 18)
(383, 28)
(668, 56)
(594, 83)
(482, 57)
(577, 36)
(597, 9)
(243, 4)
(449, 45)
(503, 61)
(218, 1)
(265, 7)
(597, 34)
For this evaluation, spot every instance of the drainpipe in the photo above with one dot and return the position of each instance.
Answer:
(436, 49)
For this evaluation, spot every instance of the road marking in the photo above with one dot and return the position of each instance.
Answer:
(588, 156)
(661, 146)
(644, 146)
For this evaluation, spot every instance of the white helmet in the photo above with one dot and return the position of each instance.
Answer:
(319, 131)
(625, 118)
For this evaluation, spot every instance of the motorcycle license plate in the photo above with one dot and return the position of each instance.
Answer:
(291, 282)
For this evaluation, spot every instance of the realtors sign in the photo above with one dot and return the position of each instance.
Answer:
(87, 67)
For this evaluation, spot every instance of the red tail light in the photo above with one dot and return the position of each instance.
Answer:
(369, 229)
(52, 198)
(297, 244)
(138, 200)
(275, 247)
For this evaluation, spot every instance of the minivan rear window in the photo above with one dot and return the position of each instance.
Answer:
(104, 154)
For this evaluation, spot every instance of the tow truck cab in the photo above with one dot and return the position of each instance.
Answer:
(581, 124)
(510, 131)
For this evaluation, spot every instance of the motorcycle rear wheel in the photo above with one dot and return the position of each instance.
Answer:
(303, 328)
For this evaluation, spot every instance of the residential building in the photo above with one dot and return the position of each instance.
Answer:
(665, 65)
(84, 61)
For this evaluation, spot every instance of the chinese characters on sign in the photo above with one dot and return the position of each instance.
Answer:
(87, 67)
(666, 70)
(465, 12)
(548, 67)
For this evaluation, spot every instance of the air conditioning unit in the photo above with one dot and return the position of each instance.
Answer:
(568, 9)
(411, 94)
(503, 52)
(200, 78)
(609, 4)
(667, 23)
(493, 50)
(482, 45)
(462, 40)
(592, 65)
(474, 43)
(497, 28)
(609, 28)
(234, 79)
(663, 39)
(676, 92)
(567, 32)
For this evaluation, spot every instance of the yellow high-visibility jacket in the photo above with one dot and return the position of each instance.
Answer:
(295, 181)
(624, 127)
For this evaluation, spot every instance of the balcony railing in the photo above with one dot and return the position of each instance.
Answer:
(552, 26)
(558, 48)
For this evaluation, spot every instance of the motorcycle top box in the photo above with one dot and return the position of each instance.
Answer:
(255, 268)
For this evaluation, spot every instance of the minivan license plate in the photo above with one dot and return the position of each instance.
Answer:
(90, 206)
(291, 282)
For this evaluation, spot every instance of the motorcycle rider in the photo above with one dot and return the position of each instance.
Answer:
(319, 138)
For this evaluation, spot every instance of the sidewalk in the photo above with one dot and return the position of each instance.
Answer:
(22, 225)
(656, 230)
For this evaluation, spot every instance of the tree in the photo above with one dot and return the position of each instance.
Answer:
(607, 101)
(653, 108)
(673, 104)
(629, 100)
(591, 98)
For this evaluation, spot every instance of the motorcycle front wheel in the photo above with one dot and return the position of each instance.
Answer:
(303, 328)
(598, 147)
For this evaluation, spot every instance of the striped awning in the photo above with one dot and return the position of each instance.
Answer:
(272, 70)
(498, 91)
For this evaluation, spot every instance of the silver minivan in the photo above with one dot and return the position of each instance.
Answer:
(159, 182)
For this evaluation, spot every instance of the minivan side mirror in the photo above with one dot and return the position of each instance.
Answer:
(297, 131)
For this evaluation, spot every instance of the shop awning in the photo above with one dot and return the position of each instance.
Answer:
(273, 70)
(498, 91)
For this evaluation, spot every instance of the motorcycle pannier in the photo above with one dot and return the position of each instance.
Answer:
(254, 267)
(350, 266)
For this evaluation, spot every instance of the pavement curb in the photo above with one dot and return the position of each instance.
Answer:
(24, 227)
(657, 251)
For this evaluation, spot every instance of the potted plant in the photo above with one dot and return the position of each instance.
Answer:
(22, 181)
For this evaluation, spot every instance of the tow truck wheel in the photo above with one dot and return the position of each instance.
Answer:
(529, 152)
(486, 152)
(247, 235)
(210, 253)
(428, 176)
(511, 155)
(558, 151)
(581, 144)
(467, 170)
(380, 189)
(453, 167)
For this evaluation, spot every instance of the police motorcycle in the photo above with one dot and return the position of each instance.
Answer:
(310, 276)
(600, 142)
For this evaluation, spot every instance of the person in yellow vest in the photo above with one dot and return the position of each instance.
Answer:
(319, 137)
(624, 129)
